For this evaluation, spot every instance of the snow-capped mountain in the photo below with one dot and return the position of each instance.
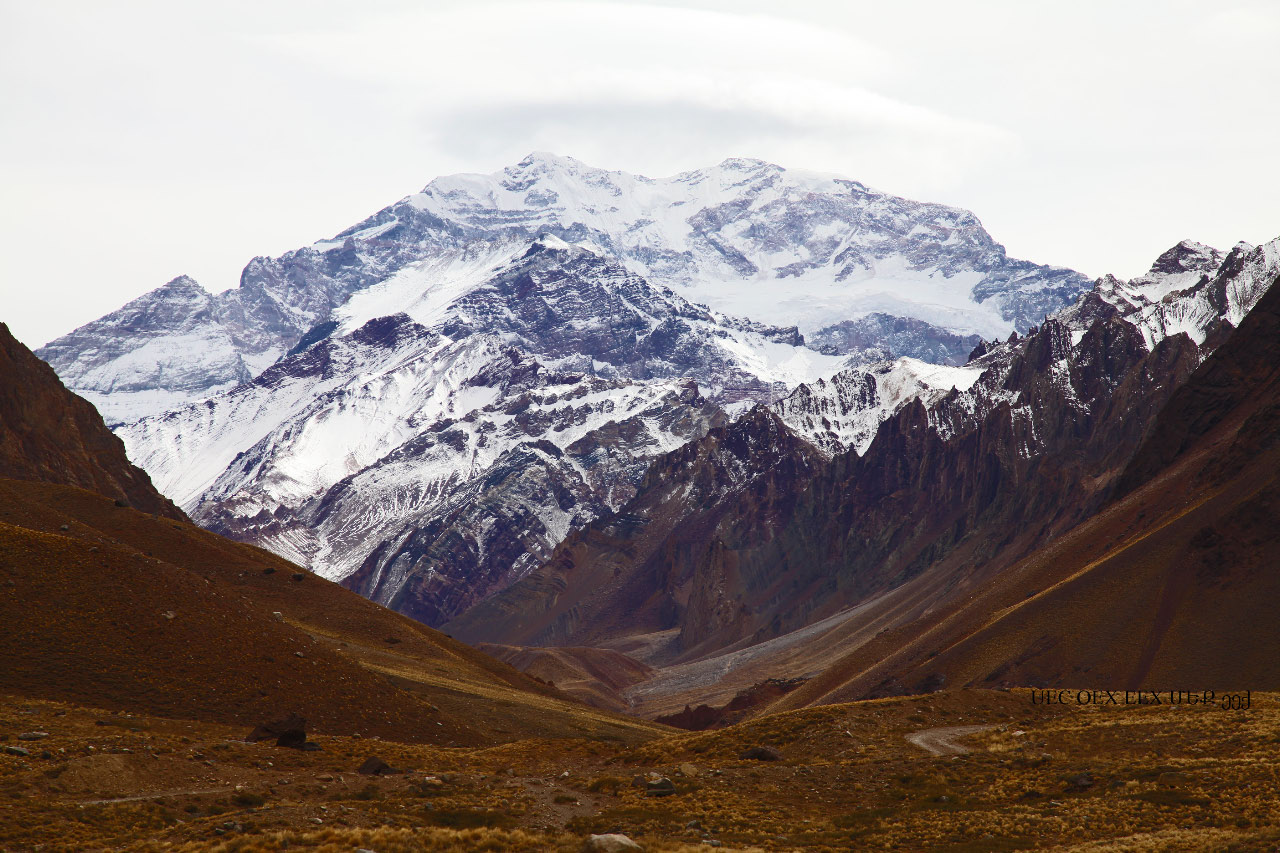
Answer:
(424, 405)
(745, 238)
(435, 454)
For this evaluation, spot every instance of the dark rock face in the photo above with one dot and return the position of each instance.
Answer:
(49, 434)
(459, 504)
(882, 337)
(1244, 367)
(639, 567)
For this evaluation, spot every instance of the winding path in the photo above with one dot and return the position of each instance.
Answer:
(941, 741)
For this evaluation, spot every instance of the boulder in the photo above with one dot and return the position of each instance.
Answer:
(289, 732)
(611, 843)
(761, 753)
(660, 787)
(375, 766)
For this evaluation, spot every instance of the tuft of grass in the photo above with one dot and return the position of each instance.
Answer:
(1171, 798)
(608, 784)
(469, 818)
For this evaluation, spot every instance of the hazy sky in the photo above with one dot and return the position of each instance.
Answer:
(144, 140)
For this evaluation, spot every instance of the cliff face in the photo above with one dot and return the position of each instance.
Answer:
(49, 434)
(1148, 592)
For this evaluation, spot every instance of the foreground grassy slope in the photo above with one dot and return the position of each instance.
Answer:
(109, 606)
(1096, 778)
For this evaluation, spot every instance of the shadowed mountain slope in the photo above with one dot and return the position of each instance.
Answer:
(1150, 593)
(110, 607)
(49, 434)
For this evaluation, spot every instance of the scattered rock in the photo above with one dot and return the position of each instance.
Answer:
(168, 614)
(1082, 782)
(374, 766)
(277, 615)
(660, 787)
(289, 732)
(1173, 778)
(17, 750)
(64, 527)
(761, 753)
(693, 824)
(690, 770)
(33, 736)
(638, 781)
(611, 843)
(297, 576)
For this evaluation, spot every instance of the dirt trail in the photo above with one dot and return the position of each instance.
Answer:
(941, 741)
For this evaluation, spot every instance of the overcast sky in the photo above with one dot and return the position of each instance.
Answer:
(144, 140)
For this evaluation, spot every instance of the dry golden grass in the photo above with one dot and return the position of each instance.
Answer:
(1058, 778)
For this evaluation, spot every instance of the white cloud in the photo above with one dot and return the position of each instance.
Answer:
(144, 139)
(672, 88)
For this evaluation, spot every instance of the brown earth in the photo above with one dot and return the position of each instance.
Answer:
(49, 434)
(109, 606)
(593, 676)
(1060, 777)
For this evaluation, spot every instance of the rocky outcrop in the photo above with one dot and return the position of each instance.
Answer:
(882, 337)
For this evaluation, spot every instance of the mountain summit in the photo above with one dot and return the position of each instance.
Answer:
(744, 238)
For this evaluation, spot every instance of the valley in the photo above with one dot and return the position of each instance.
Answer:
(749, 508)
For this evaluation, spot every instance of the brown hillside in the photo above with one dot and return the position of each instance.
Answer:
(594, 676)
(107, 606)
(49, 434)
